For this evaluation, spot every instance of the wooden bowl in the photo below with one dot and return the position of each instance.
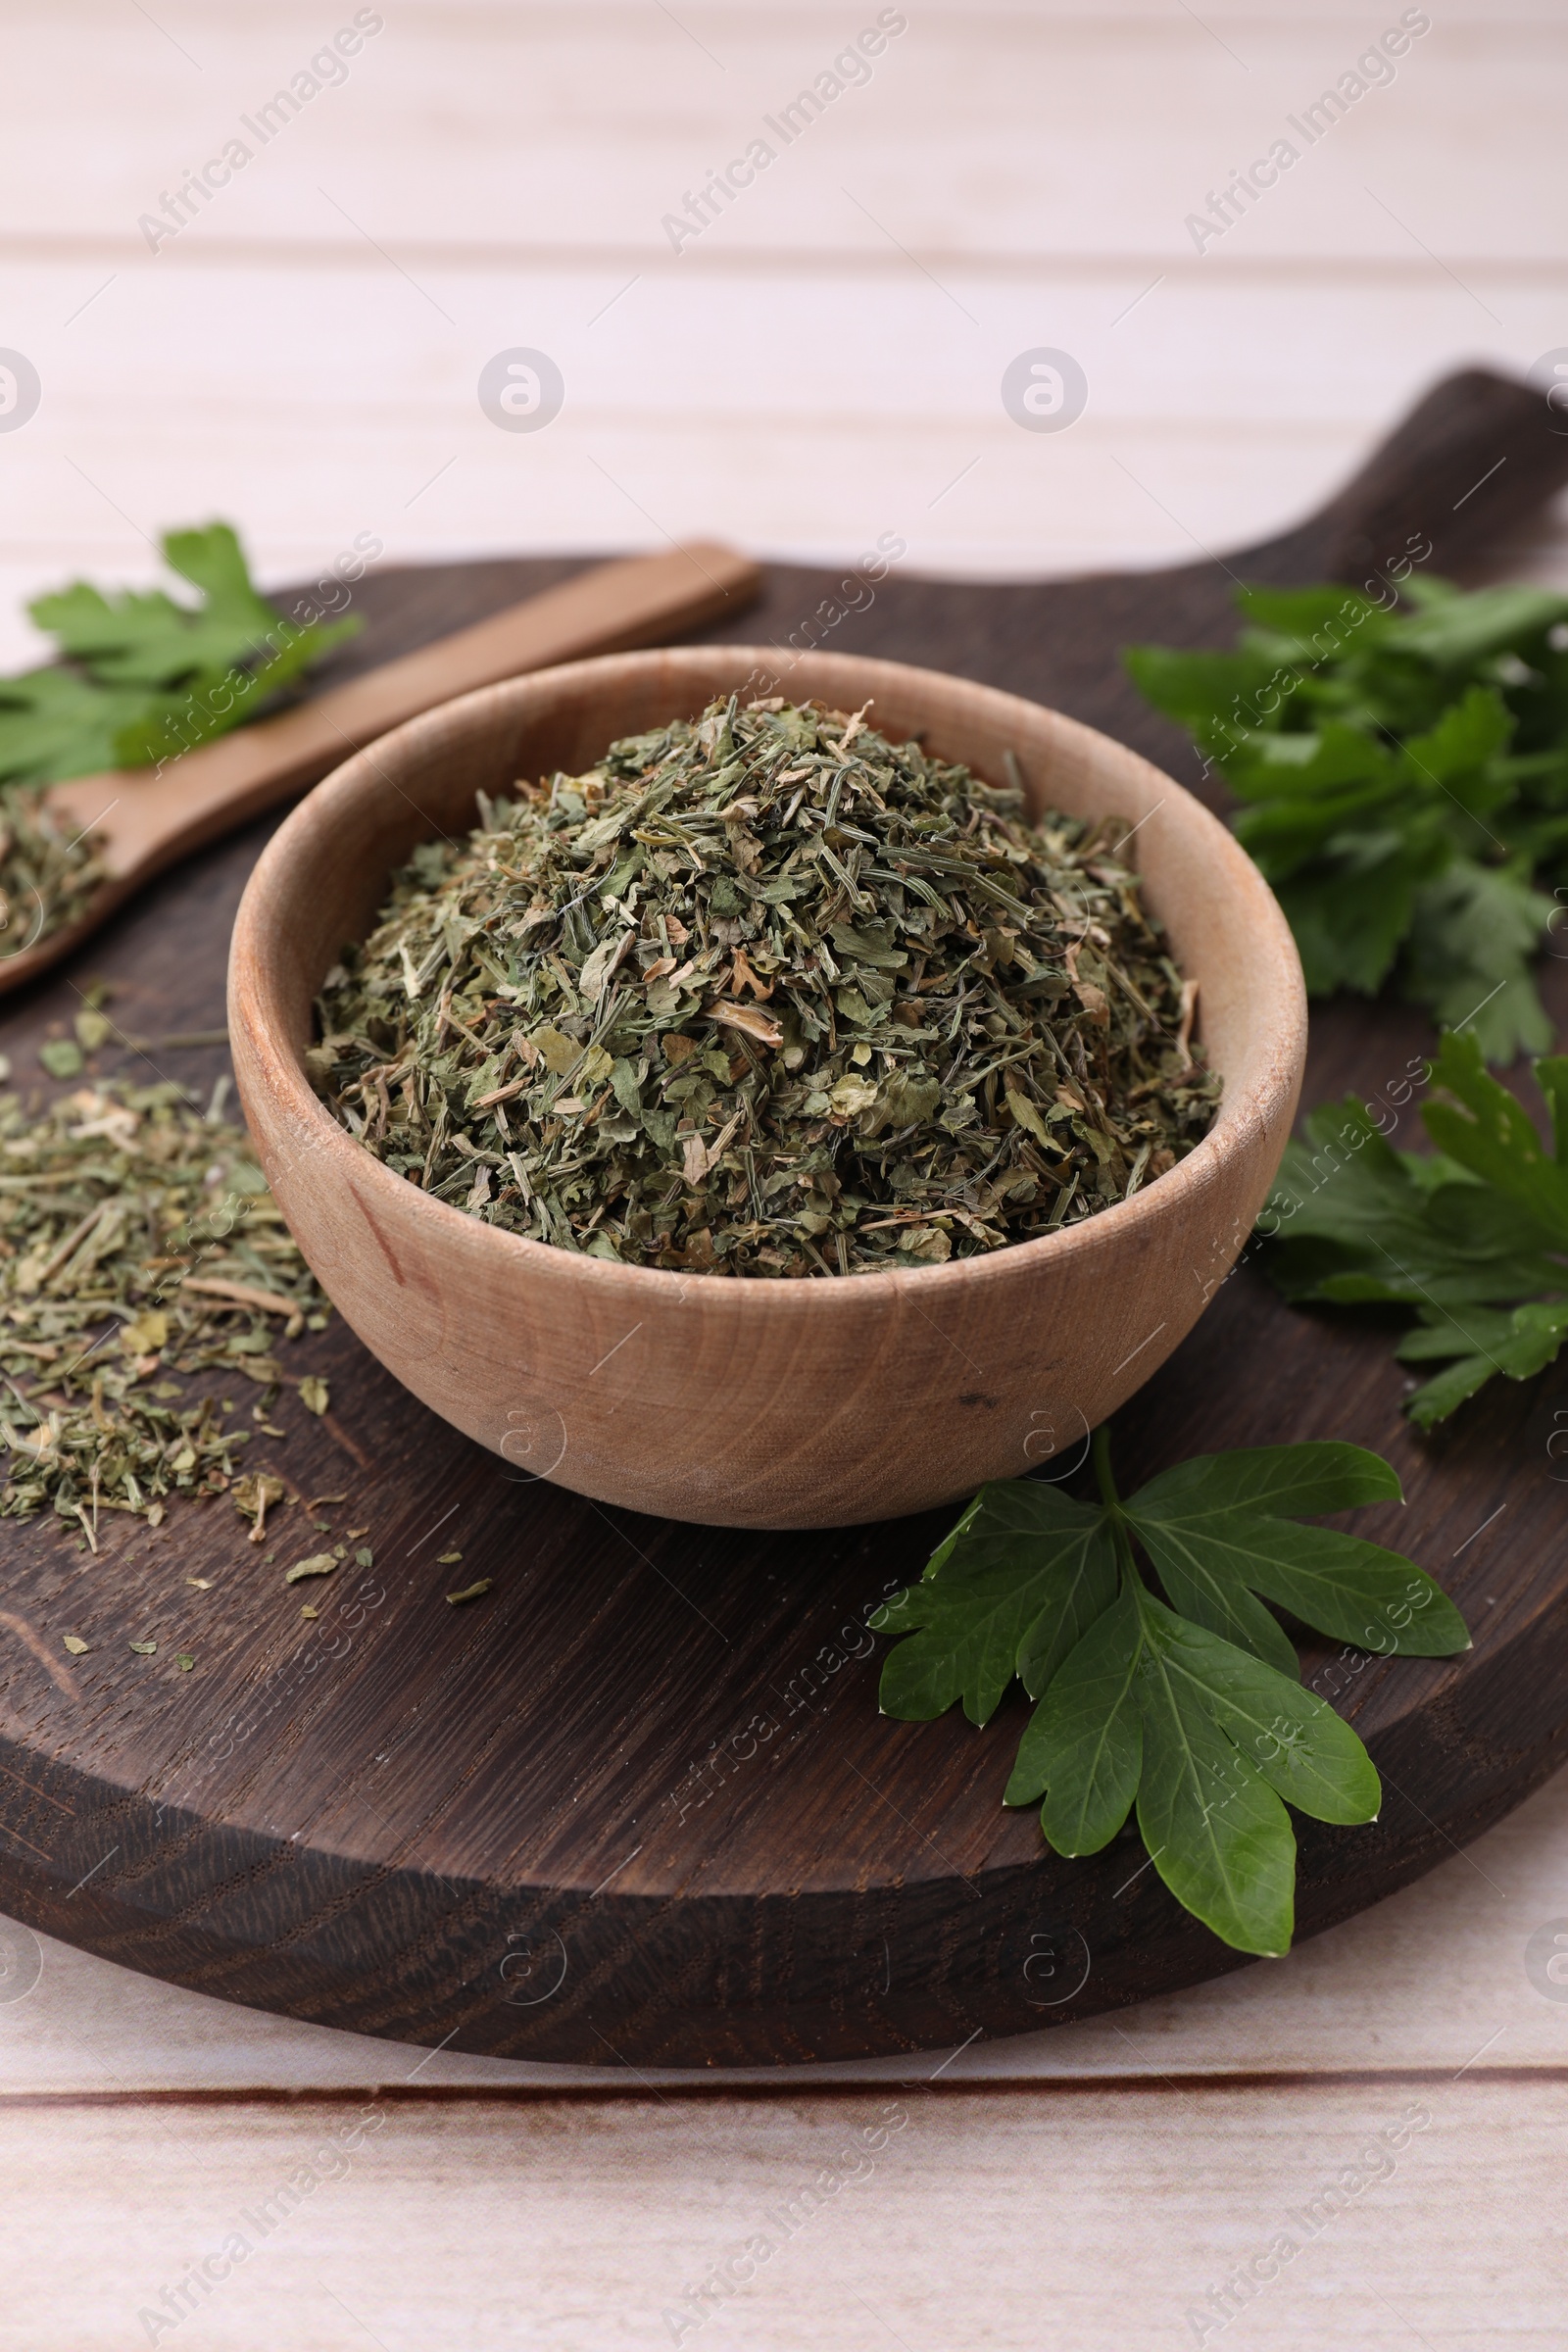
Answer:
(745, 1403)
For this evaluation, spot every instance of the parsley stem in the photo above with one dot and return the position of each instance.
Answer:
(1100, 1451)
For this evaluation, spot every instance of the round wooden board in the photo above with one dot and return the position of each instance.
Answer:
(637, 1805)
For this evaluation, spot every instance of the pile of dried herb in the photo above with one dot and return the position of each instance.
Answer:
(767, 995)
(47, 875)
(137, 1240)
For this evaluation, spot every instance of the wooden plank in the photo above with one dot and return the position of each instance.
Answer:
(1014, 138)
(1375, 2213)
(316, 406)
(333, 394)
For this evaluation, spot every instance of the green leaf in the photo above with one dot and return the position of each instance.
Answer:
(1350, 1218)
(1551, 1076)
(1348, 927)
(1491, 620)
(1140, 1702)
(145, 676)
(1294, 1739)
(55, 725)
(215, 702)
(1318, 777)
(1322, 1475)
(1489, 1131)
(1083, 1743)
(213, 561)
(1223, 1523)
(1517, 1344)
(1198, 689)
(1014, 1587)
(1437, 1398)
(1474, 934)
(1299, 614)
(1474, 1236)
(1462, 746)
(1215, 1830)
(1205, 1569)
(1356, 1591)
(1404, 780)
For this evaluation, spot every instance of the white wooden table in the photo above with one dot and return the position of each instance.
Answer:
(820, 364)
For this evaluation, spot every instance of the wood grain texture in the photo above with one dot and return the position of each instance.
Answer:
(557, 1824)
(902, 2216)
(1429, 1981)
(821, 366)
(734, 1402)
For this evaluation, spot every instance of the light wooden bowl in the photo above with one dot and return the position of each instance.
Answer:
(744, 1403)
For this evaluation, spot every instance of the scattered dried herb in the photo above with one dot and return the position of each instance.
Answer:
(472, 1592)
(136, 1240)
(253, 1497)
(320, 1564)
(1189, 1707)
(767, 995)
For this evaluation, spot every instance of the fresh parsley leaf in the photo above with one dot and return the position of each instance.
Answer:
(1023, 1576)
(1188, 1707)
(1083, 1751)
(1473, 1237)
(215, 702)
(1404, 776)
(143, 676)
(1478, 927)
(55, 724)
(1224, 1527)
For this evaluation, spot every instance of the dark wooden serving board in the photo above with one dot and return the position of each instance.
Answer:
(637, 1805)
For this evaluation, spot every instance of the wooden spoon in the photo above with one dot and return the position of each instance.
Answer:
(145, 819)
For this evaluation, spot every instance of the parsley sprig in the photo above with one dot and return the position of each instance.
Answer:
(1474, 1236)
(1185, 1704)
(1405, 778)
(142, 677)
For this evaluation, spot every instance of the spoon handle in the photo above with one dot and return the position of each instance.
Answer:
(148, 817)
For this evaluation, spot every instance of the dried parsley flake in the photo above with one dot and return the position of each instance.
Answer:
(767, 995)
(47, 873)
(320, 1564)
(135, 1241)
(474, 1591)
